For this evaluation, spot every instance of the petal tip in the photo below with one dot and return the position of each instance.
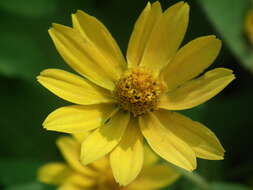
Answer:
(121, 183)
(46, 124)
(38, 78)
(81, 14)
(180, 3)
(84, 161)
(220, 158)
(43, 72)
(156, 3)
(185, 6)
(148, 6)
(73, 15)
(193, 165)
(185, 3)
(55, 25)
(50, 30)
(233, 76)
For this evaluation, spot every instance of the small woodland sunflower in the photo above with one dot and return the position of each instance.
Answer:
(123, 100)
(72, 175)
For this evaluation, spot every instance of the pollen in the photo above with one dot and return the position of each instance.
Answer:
(138, 91)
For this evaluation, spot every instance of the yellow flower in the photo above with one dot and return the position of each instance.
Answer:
(249, 25)
(98, 176)
(121, 101)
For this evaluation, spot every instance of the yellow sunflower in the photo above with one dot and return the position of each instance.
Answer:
(123, 100)
(98, 175)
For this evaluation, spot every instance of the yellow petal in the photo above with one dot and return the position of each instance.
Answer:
(78, 119)
(191, 60)
(73, 88)
(197, 91)
(166, 144)
(97, 35)
(81, 136)
(105, 138)
(166, 37)
(58, 173)
(54, 173)
(202, 140)
(102, 164)
(69, 186)
(80, 180)
(150, 158)
(82, 56)
(127, 158)
(70, 150)
(141, 33)
(155, 177)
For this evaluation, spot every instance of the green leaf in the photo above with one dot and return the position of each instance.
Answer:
(26, 48)
(21, 175)
(20, 55)
(228, 17)
(24, 106)
(193, 177)
(228, 186)
(223, 186)
(30, 186)
(29, 8)
(18, 171)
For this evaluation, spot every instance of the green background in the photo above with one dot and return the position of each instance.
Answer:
(26, 49)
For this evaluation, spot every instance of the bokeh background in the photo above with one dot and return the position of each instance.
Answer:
(26, 49)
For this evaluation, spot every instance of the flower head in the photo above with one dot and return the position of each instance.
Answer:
(72, 175)
(121, 101)
(138, 92)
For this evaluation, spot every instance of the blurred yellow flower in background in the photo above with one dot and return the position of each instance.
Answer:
(249, 26)
(120, 101)
(72, 175)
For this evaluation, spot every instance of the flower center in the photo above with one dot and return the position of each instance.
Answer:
(138, 92)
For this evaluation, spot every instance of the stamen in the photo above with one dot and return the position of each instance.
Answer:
(138, 92)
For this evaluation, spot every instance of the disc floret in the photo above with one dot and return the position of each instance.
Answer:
(138, 91)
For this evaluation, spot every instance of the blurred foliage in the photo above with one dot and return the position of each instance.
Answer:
(228, 17)
(26, 49)
(30, 8)
(32, 186)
